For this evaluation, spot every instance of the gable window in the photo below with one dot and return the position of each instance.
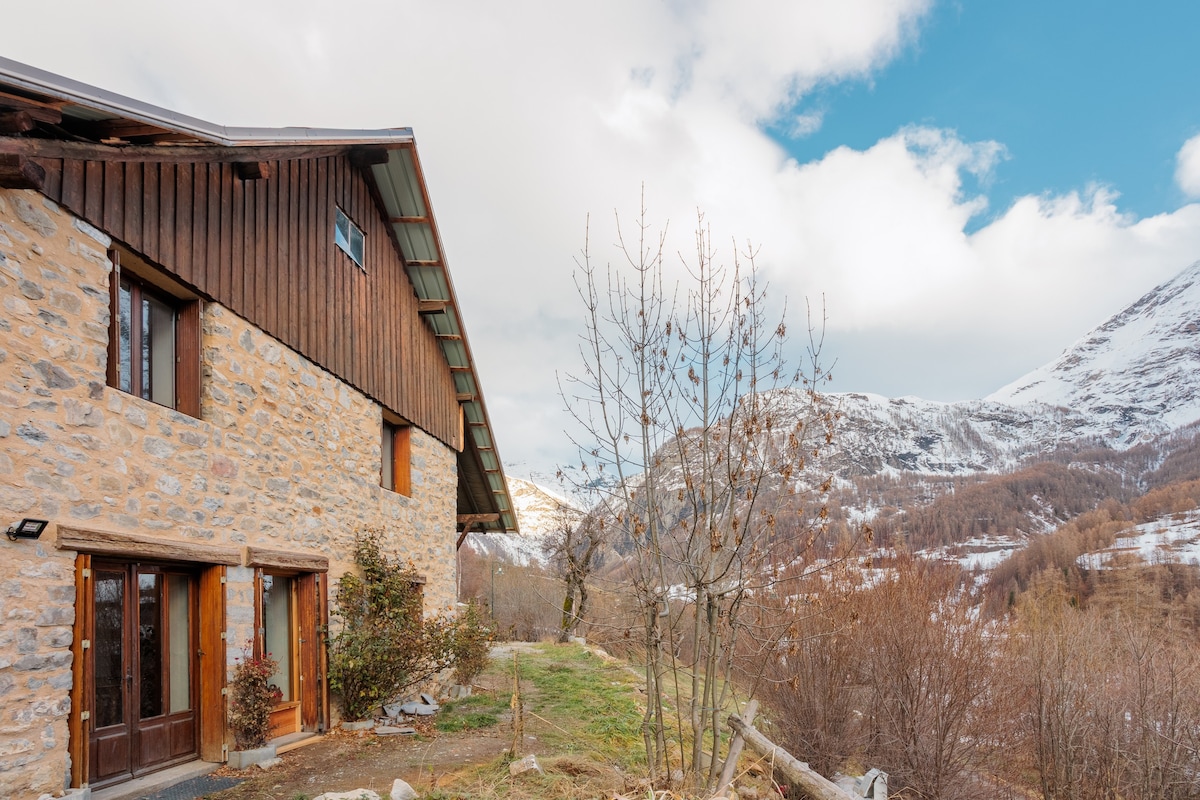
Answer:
(349, 237)
(397, 458)
(154, 341)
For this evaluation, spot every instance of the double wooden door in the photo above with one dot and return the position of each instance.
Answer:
(142, 667)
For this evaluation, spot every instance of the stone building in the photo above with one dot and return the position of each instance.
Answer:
(223, 353)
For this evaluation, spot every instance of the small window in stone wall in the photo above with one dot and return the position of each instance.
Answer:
(349, 237)
(396, 448)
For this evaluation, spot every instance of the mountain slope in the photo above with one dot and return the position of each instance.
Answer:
(1135, 376)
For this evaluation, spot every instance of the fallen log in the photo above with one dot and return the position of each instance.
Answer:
(796, 771)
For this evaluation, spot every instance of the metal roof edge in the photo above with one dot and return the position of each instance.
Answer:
(452, 302)
(48, 83)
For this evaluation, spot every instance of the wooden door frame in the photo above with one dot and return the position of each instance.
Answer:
(210, 672)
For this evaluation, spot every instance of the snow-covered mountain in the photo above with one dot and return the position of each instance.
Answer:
(1135, 376)
(907, 434)
(541, 513)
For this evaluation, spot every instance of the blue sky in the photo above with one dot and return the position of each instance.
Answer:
(1077, 92)
(980, 183)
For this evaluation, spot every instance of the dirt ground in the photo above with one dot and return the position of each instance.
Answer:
(341, 761)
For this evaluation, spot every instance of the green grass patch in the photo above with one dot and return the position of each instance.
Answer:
(471, 713)
(588, 701)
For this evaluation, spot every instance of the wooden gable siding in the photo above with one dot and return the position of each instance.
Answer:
(264, 249)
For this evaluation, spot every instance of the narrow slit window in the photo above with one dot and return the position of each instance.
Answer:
(396, 450)
(348, 237)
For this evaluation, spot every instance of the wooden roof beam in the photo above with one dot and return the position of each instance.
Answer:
(175, 154)
(19, 172)
(38, 110)
(16, 122)
(432, 306)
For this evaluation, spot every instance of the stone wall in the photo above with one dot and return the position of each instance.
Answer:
(285, 455)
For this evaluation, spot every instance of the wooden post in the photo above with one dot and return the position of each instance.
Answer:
(794, 770)
(735, 750)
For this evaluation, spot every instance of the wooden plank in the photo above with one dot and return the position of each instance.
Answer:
(285, 559)
(321, 262)
(246, 235)
(211, 266)
(114, 197)
(183, 222)
(166, 215)
(53, 186)
(212, 663)
(237, 239)
(93, 190)
(149, 246)
(295, 268)
(274, 267)
(38, 110)
(90, 540)
(199, 225)
(225, 259)
(263, 274)
(72, 185)
(131, 233)
(302, 189)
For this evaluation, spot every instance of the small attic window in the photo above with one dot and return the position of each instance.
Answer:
(349, 237)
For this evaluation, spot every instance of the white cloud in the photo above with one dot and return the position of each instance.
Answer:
(1187, 167)
(808, 123)
(531, 115)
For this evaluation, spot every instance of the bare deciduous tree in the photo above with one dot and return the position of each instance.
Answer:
(688, 400)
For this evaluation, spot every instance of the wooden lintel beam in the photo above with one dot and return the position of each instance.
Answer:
(465, 397)
(450, 336)
(403, 220)
(431, 306)
(19, 172)
(459, 369)
(416, 263)
(253, 170)
(368, 156)
(167, 153)
(16, 122)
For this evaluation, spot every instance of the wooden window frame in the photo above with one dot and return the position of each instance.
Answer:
(126, 268)
(396, 452)
(347, 246)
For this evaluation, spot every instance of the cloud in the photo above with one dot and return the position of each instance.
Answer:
(1187, 167)
(529, 116)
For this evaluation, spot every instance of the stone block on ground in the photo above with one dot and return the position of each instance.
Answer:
(526, 764)
(394, 730)
(402, 791)
(428, 699)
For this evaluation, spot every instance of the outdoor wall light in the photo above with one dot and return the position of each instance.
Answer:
(26, 529)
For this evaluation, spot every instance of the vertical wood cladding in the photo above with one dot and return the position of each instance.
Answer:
(265, 250)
